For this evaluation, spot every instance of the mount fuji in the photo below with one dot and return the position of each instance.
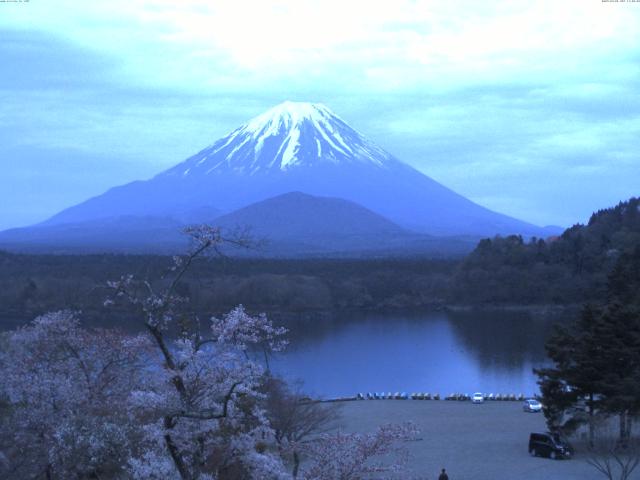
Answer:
(293, 147)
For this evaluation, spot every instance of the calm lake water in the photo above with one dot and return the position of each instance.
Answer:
(438, 352)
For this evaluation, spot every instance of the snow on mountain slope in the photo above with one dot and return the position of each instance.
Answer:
(299, 147)
(287, 136)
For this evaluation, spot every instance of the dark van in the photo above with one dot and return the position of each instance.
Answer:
(549, 445)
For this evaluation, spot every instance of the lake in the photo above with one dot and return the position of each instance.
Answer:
(435, 352)
(341, 354)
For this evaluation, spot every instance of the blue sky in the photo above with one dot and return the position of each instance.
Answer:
(529, 108)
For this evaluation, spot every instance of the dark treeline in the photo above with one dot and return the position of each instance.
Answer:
(33, 284)
(570, 269)
(596, 369)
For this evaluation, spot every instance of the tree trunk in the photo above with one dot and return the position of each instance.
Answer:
(174, 452)
(591, 420)
(624, 434)
(296, 464)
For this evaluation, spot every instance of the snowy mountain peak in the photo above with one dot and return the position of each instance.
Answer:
(284, 138)
(290, 114)
(293, 147)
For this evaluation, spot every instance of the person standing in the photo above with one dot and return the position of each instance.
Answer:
(443, 475)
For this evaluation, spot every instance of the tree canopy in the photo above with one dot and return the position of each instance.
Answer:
(596, 359)
(565, 269)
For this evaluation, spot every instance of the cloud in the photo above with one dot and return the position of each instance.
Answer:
(207, 44)
(482, 96)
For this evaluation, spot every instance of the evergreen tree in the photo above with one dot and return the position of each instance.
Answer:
(597, 358)
(571, 388)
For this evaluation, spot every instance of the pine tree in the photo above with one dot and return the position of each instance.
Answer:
(597, 359)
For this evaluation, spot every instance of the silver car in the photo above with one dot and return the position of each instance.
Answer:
(532, 405)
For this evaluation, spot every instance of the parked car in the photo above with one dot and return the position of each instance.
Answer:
(550, 445)
(477, 398)
(532, 405)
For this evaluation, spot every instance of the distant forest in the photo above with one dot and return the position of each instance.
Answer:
(565, 270)
(571, 268)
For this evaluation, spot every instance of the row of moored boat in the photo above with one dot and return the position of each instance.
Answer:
(436, 396)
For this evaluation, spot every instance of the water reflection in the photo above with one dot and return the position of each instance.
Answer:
(436, 352)
(502, 339)
(431, 352)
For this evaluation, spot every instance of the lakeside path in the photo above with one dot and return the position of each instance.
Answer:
(473, 442)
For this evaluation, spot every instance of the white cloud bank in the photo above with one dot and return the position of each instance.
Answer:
(483, 96)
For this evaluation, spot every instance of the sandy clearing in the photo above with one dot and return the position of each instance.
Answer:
(473, 442)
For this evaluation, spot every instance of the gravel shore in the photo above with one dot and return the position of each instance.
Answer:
(473, 442)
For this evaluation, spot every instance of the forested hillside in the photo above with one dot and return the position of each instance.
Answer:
(33, 284)
(572, 268)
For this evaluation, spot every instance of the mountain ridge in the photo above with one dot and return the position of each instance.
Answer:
(340, 217)
(299, 147)
(294, 224)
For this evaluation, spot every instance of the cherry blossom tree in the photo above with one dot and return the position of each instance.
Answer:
(60, 385)
(185, 400)
(295, 418)
(202, 409)
(356, 456)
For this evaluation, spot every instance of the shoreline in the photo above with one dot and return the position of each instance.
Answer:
(13, 319)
